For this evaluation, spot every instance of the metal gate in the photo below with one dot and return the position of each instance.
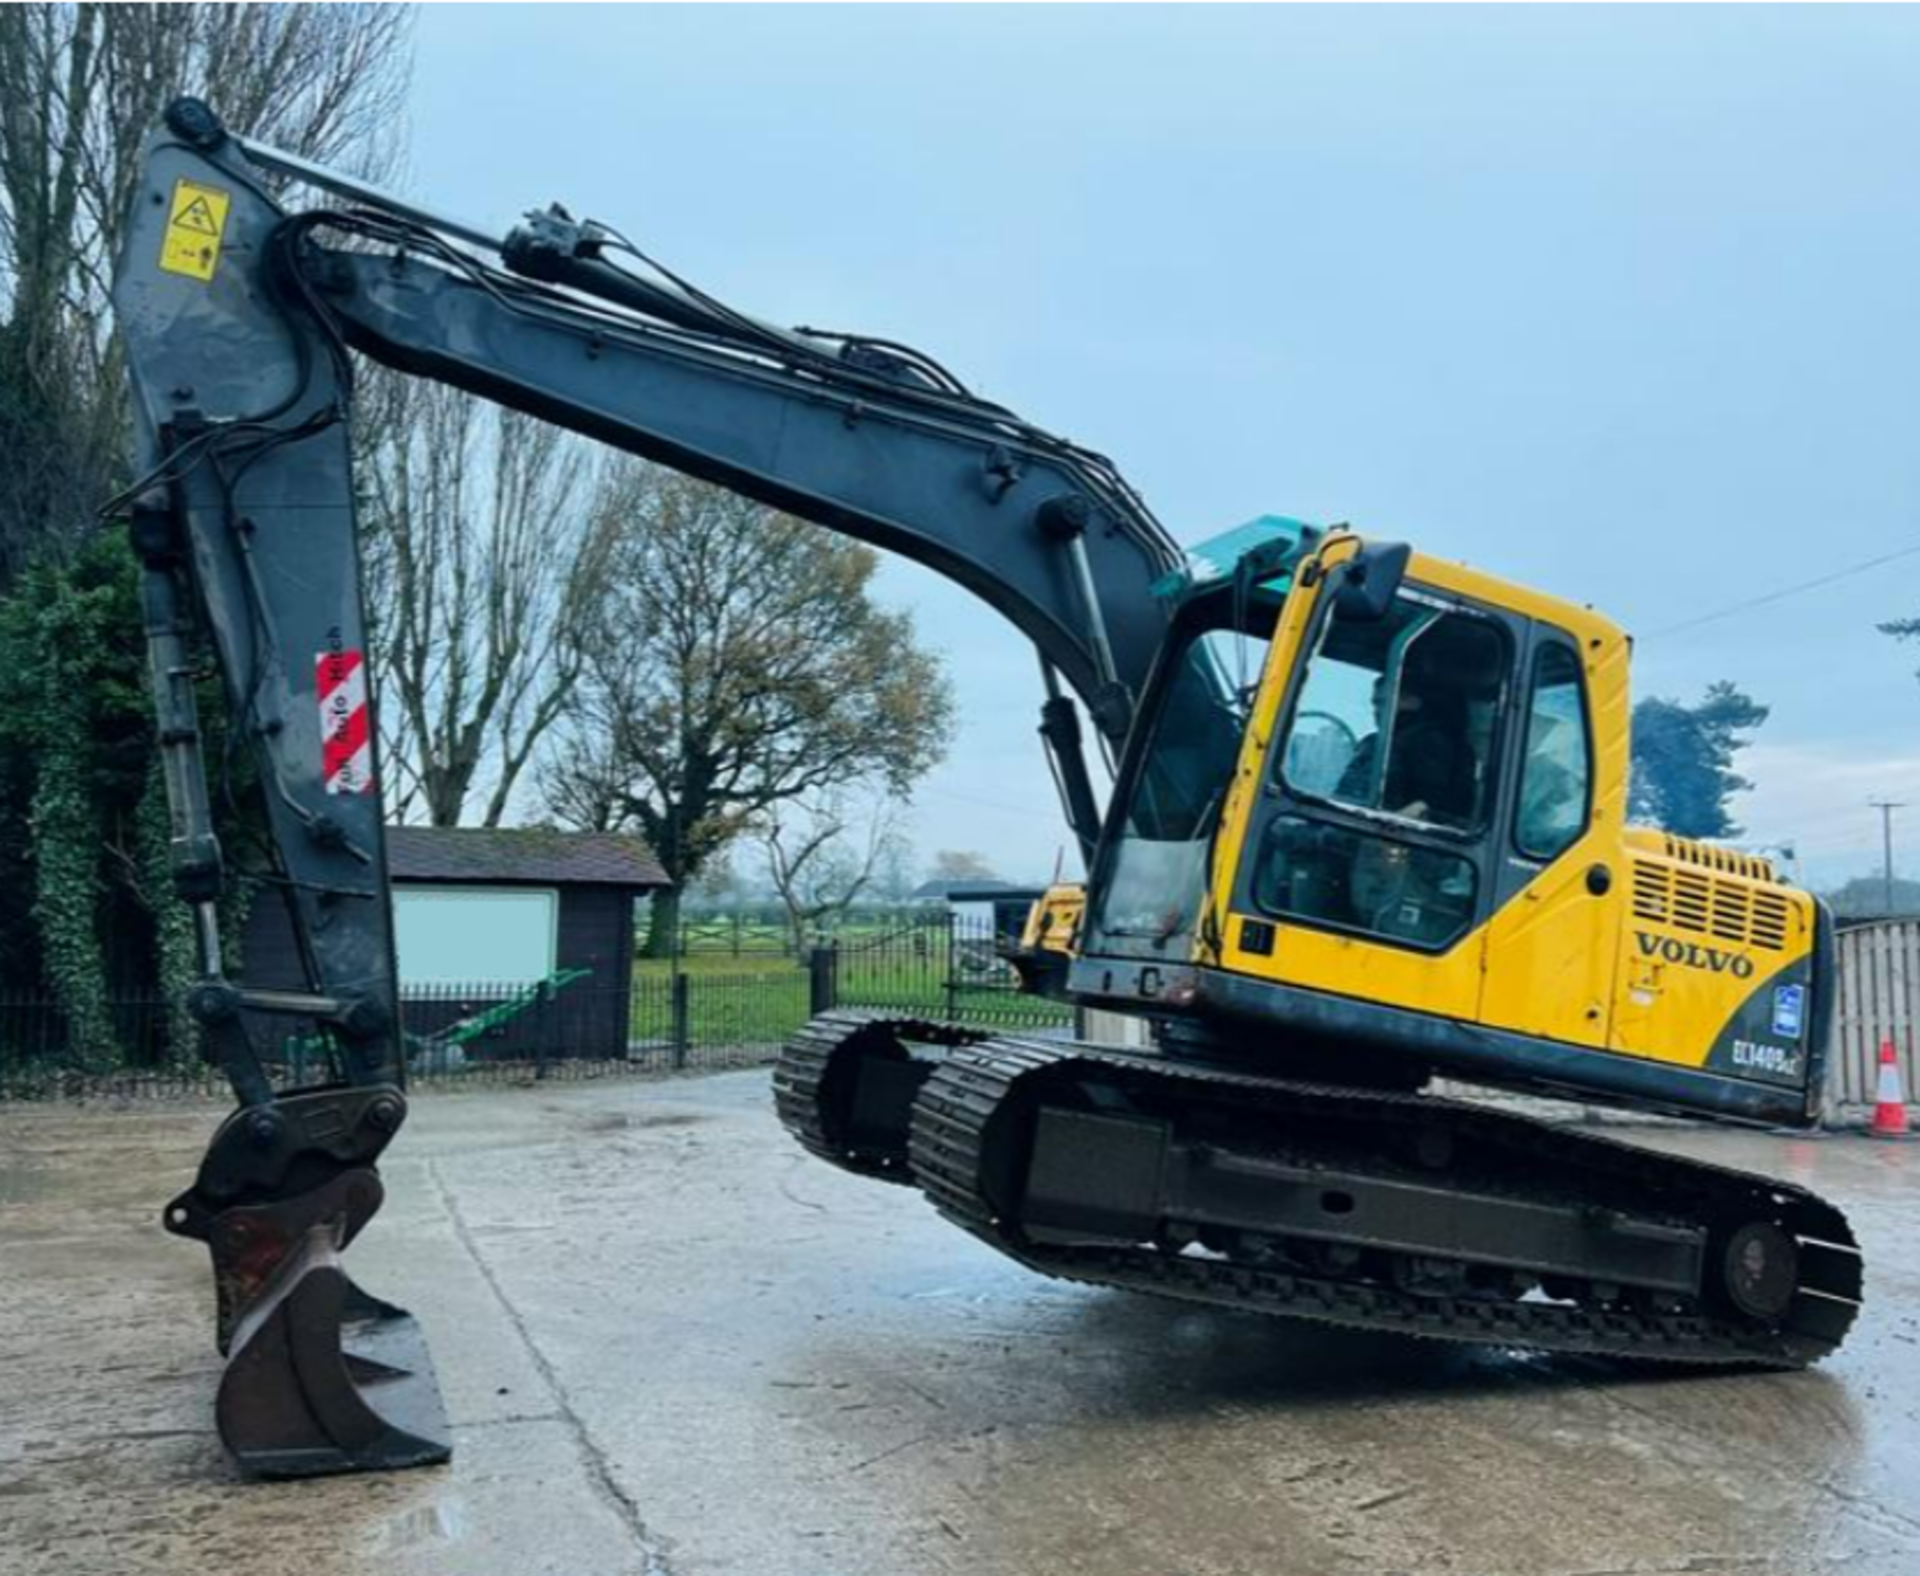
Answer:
(1879, 968)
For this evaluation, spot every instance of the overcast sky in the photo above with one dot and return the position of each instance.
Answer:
(1621, 303)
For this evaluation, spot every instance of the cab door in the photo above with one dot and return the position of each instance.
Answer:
(1554, 935)
(1360, 856)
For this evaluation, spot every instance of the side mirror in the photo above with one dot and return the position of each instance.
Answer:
(1370, 580)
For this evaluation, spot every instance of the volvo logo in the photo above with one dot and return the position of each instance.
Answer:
(1690, 954)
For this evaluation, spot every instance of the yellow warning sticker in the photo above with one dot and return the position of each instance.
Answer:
(195, 225)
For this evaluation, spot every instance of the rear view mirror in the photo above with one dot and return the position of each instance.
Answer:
(1370, 581)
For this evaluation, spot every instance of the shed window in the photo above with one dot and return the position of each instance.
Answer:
(473, 935)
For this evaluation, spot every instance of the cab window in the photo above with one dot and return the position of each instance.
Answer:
(1398, 714)
(1189, 761)
(1397, 722)
(1556, 773)
(1157, 869)
(1351, 880)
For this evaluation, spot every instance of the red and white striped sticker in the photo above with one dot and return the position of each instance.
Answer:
(346, 745)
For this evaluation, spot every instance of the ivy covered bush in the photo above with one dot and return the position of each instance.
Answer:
(87, 916)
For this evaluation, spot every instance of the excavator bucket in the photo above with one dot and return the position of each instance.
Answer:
(322, 1377)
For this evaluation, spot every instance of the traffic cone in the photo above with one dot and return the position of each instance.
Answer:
(1890, 1106)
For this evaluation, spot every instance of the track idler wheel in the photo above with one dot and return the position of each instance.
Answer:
(846, 1082)
(1760, 1271)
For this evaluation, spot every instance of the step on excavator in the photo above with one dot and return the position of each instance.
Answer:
(1367, 828)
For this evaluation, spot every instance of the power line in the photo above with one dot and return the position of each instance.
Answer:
(1769, 598)
(1851, 818)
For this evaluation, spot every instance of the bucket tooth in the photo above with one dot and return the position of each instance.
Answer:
(325, 1378)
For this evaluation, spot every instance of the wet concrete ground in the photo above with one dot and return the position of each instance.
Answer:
(671, 1343)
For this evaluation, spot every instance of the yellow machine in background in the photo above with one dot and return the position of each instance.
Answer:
(1049, 938)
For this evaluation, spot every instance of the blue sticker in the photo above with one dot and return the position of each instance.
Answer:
(1789, 1008)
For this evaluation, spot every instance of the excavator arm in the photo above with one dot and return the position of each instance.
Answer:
(237, 313)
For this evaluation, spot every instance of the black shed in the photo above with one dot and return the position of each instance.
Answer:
(482, 913)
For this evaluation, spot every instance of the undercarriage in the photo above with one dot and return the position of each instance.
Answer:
(1359, 1207)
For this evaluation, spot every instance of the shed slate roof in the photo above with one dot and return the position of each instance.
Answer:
(531, 854)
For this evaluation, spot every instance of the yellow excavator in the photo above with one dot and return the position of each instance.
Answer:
(1368, 826)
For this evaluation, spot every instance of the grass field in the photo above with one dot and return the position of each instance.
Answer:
(753, 999)
(737, 935)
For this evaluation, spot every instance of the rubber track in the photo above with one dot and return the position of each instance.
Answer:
(819, 1051)
(949, 1149)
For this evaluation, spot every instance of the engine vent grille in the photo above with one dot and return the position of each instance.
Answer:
(1694, 900)
(1723, 860)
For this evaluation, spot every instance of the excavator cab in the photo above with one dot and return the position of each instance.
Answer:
(1374, 811)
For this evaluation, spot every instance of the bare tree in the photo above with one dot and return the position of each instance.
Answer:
(486, 565)
(80, 87)
(823, 856)
(893, 878)
(743, 665)
(81, 829)
(719, 883)
(962, 864)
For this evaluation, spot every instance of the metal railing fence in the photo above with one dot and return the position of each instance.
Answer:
(728, 999)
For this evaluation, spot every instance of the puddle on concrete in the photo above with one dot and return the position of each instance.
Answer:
(440, 1520)
(619, 1122)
